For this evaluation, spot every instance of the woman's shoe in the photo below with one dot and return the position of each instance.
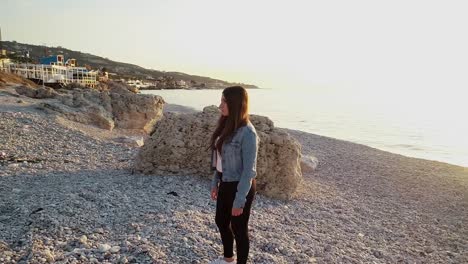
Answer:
(221, 260)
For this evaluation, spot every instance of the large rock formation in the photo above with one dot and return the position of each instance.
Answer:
(133, 111)
(38, 92)
(115, 106)
(179, 142)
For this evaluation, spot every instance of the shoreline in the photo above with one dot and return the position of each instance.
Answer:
(377, 149)
(419, 140)
(197, 89)
(82, 203)
(188, 109)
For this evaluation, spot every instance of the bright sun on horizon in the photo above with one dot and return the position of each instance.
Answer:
(404, 46)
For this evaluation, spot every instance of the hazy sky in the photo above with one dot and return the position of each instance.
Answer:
(409, 46)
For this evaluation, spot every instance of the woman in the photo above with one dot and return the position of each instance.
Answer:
(234, 144)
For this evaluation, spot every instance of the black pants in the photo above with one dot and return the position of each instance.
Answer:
(233, 227)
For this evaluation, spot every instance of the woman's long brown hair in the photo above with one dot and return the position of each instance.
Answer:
(237, 101)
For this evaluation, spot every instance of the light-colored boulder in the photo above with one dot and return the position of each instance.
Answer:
(179, 144)
(308, 164)
(116, 107)
(95, 116)
(36, 92)
(136, 111)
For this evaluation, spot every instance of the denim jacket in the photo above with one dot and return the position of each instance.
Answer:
(239, 162)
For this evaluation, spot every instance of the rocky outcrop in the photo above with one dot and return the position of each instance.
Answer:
(133, 111)
(114, 108)
(178, 146)
(90, 115)
(38, 93)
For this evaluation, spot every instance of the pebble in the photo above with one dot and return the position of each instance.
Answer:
(115, 249)
(429, 250)
(377, 253)
(83, 239)
(48, 255)
(104, 247)
(123, 260)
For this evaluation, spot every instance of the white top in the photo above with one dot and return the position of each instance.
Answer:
(219, 166)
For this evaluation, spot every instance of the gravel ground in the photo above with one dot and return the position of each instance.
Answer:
(68, 195)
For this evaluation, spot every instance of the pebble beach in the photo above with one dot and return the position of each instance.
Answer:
(69, 194)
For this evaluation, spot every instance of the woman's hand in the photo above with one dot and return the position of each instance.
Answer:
(214, 193)
(237, 211)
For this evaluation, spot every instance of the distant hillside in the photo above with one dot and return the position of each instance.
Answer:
(122, 70)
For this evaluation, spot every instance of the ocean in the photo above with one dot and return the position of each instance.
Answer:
(415, 128)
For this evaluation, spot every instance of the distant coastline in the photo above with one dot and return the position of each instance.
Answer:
(249, 87)
(118, 71)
